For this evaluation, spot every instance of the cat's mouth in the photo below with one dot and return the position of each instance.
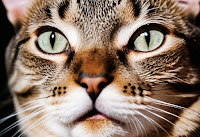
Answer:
(96, 115)
(93, 115)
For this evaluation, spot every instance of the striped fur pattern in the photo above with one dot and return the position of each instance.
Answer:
(149, 94)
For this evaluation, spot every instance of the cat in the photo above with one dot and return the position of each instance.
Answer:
(112, 68)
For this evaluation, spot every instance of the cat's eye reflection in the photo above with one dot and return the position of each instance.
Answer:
(52, 42)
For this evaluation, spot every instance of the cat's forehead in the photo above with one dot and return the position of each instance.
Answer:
(98, 19)
(101, 11)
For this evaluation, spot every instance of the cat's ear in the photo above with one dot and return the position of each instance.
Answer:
(191, 8)
(16, 10)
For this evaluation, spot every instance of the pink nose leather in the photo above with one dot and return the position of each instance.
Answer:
(93, 84)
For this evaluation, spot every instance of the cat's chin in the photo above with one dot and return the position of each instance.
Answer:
(97, 125)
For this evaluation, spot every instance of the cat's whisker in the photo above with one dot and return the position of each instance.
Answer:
(17, 113)
(180, 79)
(147, 118)
(43, 97)
(161, 117)
(33, 114)
(159, 102)
(159, 89)
(135, 125)
(39, 121)
(161, 110)
(140, 126)
(130, 122)
(153, 121)
(29, 103)
(181, 95)
(24, 106)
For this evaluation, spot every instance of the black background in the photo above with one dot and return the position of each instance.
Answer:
(6, 106)
(6, 31)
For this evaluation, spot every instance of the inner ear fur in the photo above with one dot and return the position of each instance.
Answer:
(16, 11)
(191, 8)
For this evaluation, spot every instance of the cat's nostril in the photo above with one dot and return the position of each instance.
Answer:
(102, 85)
(84, 85)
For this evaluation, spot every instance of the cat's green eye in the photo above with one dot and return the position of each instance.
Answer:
(148, 40)
(52, 42)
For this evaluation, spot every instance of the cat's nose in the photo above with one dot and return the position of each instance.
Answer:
(94, 84)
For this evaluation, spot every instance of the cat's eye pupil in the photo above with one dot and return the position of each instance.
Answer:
(52, 39)
(147, 37)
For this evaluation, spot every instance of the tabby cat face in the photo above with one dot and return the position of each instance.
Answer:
(105, 68)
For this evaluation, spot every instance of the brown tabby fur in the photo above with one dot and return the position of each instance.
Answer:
(160, 86)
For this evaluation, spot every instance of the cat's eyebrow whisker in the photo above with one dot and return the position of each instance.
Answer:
(17, 113)
(155, 8)
(55, 5)
(33, 114)
(153, 121)
(39, 121)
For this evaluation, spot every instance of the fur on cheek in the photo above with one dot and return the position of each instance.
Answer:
(69, 107)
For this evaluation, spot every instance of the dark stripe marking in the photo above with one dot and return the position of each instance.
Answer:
(137, 8)
(63, 6)
(48, 12)
(151, 9)
(27, 93)
(122, 57)
(119, 1)
(17, 48)
(70, 58)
